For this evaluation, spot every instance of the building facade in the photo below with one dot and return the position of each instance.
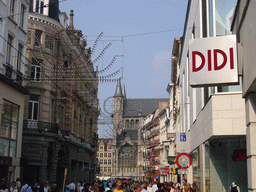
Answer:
(213, 118)
(244, 27)
(104, 156)
(13, 38)
(60, 116)
(128, 140)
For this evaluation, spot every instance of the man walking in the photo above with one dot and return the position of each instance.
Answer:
(119, 184)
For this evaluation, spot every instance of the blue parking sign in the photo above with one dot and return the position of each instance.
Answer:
(183, 137)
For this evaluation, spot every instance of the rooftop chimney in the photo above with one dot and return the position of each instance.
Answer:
(71, 23)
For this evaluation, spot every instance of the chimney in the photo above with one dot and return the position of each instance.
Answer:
(71, 22)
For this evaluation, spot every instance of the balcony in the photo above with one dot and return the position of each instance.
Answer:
(39, 126)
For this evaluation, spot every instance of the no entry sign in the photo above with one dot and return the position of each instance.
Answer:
(183, 160)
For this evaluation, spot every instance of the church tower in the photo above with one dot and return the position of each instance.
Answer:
(117, 118)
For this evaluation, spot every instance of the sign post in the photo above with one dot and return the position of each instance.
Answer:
(65, 175)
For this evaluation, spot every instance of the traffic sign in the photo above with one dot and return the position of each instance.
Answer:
(183, 160)
(166, 170)
(182, 171)
(183, 137)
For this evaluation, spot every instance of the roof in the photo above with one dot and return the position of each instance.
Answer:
(119, 91)
(141, 107)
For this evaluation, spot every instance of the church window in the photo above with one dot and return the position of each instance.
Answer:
(132, 124)
(127, 124)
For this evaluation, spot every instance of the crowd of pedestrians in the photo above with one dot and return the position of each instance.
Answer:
(117, 185)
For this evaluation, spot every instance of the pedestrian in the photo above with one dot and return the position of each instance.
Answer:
(234, 187)
(172, 187)
(18, 184)
(26, 187)
(193, 188)
(119, 184)
(35, 187)
(137, 188)
(154, 187)
(101, 187)
(3, 187)
(72, 187)
(13, 188)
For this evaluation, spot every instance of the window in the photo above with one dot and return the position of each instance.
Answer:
(109, 161)
(20, 49)
(220, 16)
(105, 169)
(12, 8)
(48, 42)
(109, 154)
(9, 129)
(39, 6)
(22, 15)
(101, 161)
(38, 35)
(109, 169)
(109, 147)
(101, 147)
(9, 49)
(33, 108)
(105, 162)
(97, 154)
(36, 69)
(105, 155)
(101, 154)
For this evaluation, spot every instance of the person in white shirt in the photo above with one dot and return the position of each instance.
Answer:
(72, 186)
(149, 188)
(26, 188)
(13, 188)
(154, 187)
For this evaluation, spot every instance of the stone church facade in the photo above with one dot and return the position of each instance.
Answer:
(128, 135)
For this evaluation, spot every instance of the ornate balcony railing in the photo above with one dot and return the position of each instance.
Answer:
(32, 125)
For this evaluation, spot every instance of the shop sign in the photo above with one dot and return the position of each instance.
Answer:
(166, 170)
(213, 61)
(182, 171)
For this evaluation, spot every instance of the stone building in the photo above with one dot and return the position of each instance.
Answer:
(13, 38)
(128, 140)
(104, 156)
(60, 116)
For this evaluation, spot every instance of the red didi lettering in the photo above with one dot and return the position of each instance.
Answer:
(194, 53)
(215, 52)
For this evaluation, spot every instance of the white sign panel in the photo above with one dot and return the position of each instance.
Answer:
(213, 61)
(182, 171)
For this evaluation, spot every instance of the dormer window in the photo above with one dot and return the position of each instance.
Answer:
(39, 6)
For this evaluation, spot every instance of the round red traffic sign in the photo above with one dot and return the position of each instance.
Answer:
(183, 160)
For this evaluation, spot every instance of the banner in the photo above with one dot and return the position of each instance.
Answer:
(171, 160)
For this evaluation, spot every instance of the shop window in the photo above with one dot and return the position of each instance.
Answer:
(33, 108)
(9, 129)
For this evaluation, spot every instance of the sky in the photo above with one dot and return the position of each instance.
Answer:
(141, 33)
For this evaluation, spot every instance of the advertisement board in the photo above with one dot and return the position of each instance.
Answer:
(213, 61)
